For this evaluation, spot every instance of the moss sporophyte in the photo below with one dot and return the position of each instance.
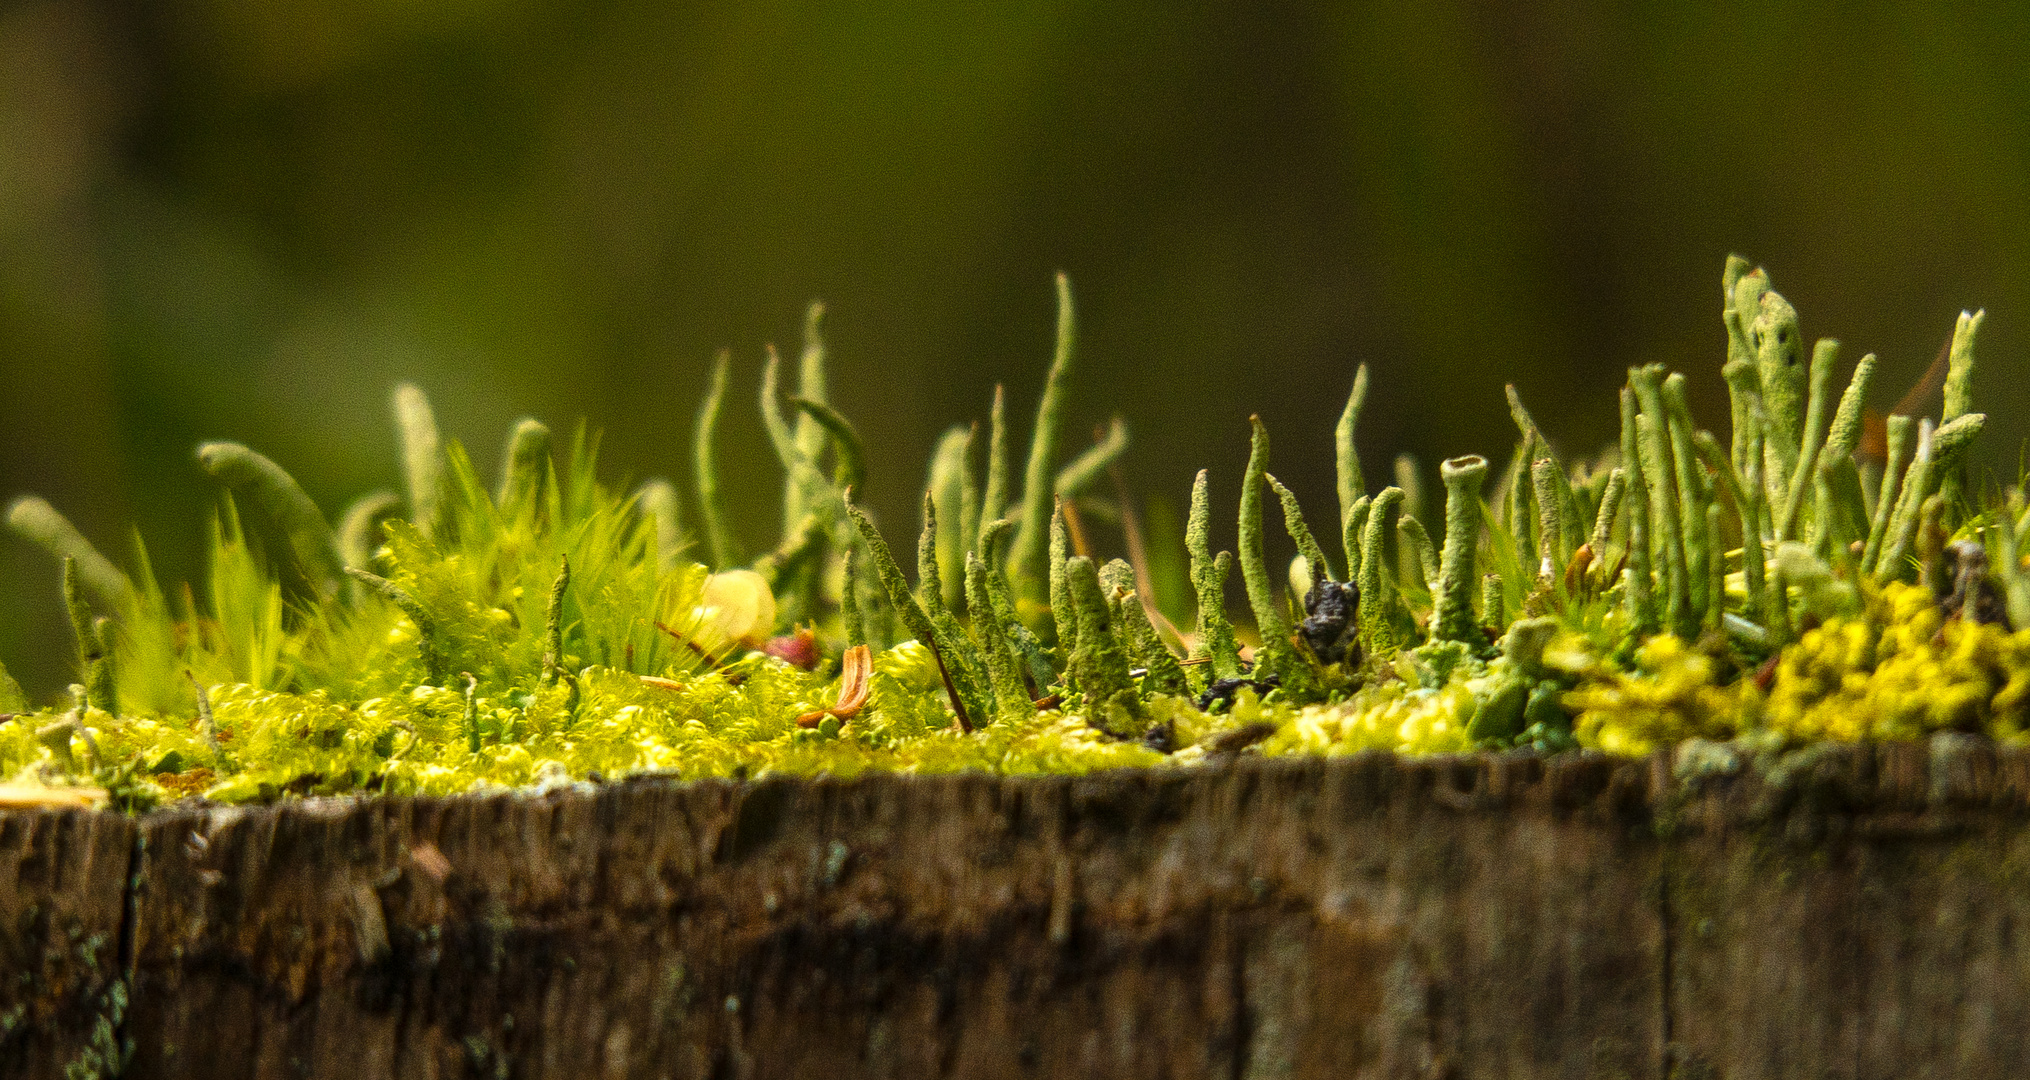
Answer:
(1787, 582)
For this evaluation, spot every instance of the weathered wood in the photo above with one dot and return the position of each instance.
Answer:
(63, 886)
(1363, 917)
(1853, 914)
(1862, 914)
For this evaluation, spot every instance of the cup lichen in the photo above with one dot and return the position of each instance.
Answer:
(546, 628)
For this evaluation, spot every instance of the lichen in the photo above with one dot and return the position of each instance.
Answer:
(549, 630)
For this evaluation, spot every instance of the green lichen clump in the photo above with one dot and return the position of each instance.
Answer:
(1788, 584)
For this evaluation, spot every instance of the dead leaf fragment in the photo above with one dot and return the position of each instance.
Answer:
(23, 796)
(856, 668)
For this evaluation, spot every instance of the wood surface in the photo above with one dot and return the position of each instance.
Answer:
(1851, 913)
(64, 878)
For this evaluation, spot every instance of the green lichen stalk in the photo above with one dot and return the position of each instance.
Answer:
(1351, 485)
(1026, 555)
(1378, 632)
(1216, 646)
(1161, 672)
(1452, 618)
(1100, 665)
(1275, 656)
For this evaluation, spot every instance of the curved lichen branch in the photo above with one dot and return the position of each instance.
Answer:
(725, 550)
(94, 654)
(1378, 634)
(359, 530)
(812, 386)
(33, 519)
(656, 500)
(951, 479)
(1086, 469)
(1275, 655)
(1300, 532)
(276, 492)
(805, 481)
(955, 648)
(1026, 556)
(553, 623)
(422, 455)
(1352, 487)
(849, 455)
(994, 494)
(525, 468)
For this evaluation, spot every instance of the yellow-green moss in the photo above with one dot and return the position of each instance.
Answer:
(1898, 670)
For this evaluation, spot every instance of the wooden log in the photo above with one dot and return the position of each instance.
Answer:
(1851, 913)
(63, 891)
(1860, 913)
(1364, 917)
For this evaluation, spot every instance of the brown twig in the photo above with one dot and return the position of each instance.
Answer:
(716, 663)
(1131, 535)
(951, 691)
(1076, 528)
(1138, 559)
(1874, 444)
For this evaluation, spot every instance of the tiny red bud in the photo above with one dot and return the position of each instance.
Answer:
(799, 647)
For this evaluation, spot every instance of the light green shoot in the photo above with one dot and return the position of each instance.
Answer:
(994, 496)
(723, 547)
(1026, 556)
(1092, 464)
(1346, 463)
(422, 454)
(32, 518)
(1300, 533)
(278, 494)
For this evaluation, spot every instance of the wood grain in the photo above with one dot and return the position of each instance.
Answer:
(63, 894)
(1852, 914)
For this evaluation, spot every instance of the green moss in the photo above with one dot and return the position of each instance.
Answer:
(545, 628)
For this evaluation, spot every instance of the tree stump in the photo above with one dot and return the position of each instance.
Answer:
(1851, 913)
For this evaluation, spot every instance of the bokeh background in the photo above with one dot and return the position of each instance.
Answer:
(246, 220)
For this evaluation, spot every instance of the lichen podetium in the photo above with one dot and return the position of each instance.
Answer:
(547, 629)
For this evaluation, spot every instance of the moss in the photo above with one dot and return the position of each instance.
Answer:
(545, 628)
(105, 1054)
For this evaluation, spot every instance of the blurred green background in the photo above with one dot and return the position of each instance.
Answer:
(246, 220)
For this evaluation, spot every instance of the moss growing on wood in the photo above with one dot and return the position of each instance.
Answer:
(544, 628)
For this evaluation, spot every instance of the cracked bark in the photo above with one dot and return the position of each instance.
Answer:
(1498, 916)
